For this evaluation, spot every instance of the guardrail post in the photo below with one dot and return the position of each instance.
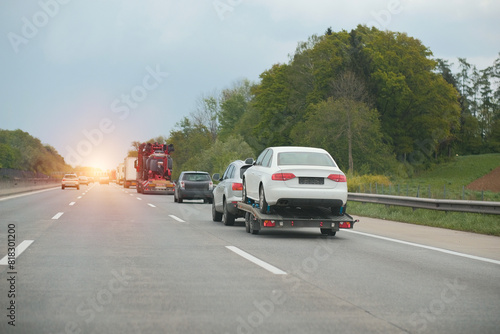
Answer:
(444, 191)
(418, 190)
(429, 191)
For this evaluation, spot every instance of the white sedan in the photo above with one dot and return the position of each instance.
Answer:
(295, 177)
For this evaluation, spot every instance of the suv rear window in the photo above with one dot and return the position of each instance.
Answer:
(196, 177)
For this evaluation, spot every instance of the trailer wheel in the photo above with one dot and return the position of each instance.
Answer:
(328, 231)
(216, 216)
(247, 222)
(252, 226)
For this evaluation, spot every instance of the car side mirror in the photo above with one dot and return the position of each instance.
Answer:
(249, 161)
(216, 177)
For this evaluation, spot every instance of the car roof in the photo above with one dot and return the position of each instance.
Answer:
(194, 172)
(297, 149)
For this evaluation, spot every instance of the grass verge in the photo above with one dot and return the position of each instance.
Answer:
(468, 222)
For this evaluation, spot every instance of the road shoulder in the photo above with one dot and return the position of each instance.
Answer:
(463, 242)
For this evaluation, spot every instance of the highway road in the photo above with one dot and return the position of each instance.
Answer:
(103, 259)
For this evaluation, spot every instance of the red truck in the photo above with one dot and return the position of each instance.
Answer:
(154, 168)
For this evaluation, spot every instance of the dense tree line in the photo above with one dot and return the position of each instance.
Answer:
(19, 150)
(376, 100)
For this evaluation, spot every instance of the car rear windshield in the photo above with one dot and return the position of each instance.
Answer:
(196, 177)
(70, 176)
(305, 158)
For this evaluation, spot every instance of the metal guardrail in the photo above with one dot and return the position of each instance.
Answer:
(428, 203)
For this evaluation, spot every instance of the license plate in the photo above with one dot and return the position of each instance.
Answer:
(311, 180)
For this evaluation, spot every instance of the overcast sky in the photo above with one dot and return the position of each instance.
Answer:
(89, 77)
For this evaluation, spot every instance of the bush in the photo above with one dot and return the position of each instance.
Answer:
(354, 183)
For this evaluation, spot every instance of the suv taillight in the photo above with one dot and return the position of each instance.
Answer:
(237, 186)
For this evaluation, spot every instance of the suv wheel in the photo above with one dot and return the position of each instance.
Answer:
(227, 218)
(216, 216)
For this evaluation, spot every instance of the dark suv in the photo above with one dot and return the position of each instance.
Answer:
(194, 185)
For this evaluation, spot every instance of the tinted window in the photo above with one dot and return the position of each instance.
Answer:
(230, 175)
(196, 177)
(226, 173)
(266, 162)
(305, 158)
(70, 176)
(261, 157)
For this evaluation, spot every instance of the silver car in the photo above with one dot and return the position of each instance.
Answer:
(229, 192)
(296, 177)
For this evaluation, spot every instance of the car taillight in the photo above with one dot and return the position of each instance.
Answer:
(182, 184)
(210, 185)
(282, 176)
(337, 177)
(237, 186)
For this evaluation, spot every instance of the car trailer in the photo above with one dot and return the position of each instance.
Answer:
(291, 218)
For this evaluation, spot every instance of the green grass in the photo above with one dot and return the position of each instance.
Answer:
(447, 180)
(468, 222)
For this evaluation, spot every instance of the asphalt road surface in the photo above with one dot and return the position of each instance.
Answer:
(107, 260)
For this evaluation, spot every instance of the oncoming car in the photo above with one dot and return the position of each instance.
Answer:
(295, 177)
(70, 180)
(194, 185)
(229, 192)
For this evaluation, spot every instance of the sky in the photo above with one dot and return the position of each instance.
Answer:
(88, 77)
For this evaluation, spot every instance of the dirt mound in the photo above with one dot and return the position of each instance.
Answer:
(490, 181)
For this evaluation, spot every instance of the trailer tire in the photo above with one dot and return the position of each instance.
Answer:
(251, 224)
(247, 222)
(328, 231)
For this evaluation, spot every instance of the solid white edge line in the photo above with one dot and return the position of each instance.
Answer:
(19, 249)
(256, 261)
(152, 205)
(177, 218)
(58, 215)
(28, 193)
(442, 250)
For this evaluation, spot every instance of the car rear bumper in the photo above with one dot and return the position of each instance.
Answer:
(195, 194)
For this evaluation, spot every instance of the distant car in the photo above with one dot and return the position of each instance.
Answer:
(194, 185)
(296, 177)
(70, 180)
(83, 180)
(91, 179)
(228, 192)
(104, 180)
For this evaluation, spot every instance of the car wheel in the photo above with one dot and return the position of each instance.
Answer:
(328, 231)
(216, 216)
(175, 198)
(262, 200)
(62, 187)
(77, 188)
(245, 197)
(227, 217)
